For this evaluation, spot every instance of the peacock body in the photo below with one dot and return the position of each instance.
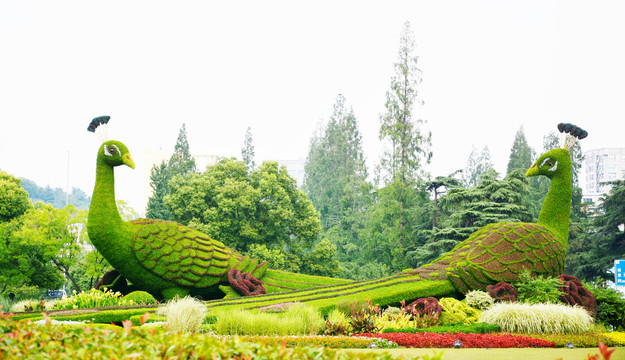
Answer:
(162, 257)
(500, 251)
(168, 259)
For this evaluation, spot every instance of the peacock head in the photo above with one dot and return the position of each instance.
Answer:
(115, 153)
(553, 163)
(557, 162)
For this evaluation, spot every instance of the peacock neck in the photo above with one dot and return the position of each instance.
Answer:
(556, 210)
(103, 211)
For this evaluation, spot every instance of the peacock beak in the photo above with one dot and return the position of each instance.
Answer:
(128, 161)
(533, 171)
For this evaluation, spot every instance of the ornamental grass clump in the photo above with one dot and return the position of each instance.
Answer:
(184, 315)
(33, 305)
(297, 320)
(538, 318)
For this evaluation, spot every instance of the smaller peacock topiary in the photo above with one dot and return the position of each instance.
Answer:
(164, 258)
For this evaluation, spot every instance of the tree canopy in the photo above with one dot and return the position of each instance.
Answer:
(240, 208)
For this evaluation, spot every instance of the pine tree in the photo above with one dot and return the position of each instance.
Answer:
(335, 166)
(409, 144)
(521, 154)
(478, 164)
(180, 163)
(247, 151)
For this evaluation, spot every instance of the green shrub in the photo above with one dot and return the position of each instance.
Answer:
(455, 311)
(610, 306)
(297, 320)
(479, 299)
(89, 342)
(184, 315)
(6, 303)
(337, 323)
(535, 290)
(24, 292)
(139, 298)
(538, 318)
(477, 328)
(394, 320)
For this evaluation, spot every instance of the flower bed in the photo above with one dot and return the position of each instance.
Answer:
(433, 340)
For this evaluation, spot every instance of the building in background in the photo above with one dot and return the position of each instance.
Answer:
(295, 168)
(601, 165)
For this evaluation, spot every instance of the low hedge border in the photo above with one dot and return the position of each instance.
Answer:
(479, 328)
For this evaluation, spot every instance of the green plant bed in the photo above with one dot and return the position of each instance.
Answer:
(386, 291)
(34, 341)
(136, 319)
(91, 315)
(479, 328)
(586, 340)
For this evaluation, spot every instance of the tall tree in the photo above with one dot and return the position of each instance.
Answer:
(521, 154)
(335, 169)
(604, 239)
(13, 198)
(247, 151)
(181, 162)
(478, 164)
(402, 130)
(467, 209)
(241, 209)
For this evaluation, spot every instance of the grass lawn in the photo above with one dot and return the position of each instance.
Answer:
(501, 354)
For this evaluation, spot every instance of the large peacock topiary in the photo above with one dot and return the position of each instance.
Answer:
(168, 259)
(162, 257)
(500, 251)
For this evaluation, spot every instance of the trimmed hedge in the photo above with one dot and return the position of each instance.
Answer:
(479, 328)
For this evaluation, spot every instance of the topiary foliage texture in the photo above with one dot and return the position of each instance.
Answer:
(245, 283)
(164, 258)
(502, 291)
(574, 293)
(424, 307)
(170, 259)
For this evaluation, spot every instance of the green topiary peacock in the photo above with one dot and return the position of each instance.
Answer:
(162, 257)
(500, 251)
(168, 259)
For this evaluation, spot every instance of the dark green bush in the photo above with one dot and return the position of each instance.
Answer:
(139, 298)
(610, 305)
(478, 328)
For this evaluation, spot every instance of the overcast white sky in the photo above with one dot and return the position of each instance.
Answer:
(489, 67)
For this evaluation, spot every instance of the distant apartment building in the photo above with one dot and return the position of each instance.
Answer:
(295, 169)
(602, 165)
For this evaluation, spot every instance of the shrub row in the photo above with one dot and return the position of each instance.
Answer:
(478, 328)
(433, 340)
(24, 339)
(587, 340)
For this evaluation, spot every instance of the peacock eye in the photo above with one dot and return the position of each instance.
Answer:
(112, 150)
(550, 163)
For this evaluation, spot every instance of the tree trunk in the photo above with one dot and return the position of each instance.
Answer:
(65, 271)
